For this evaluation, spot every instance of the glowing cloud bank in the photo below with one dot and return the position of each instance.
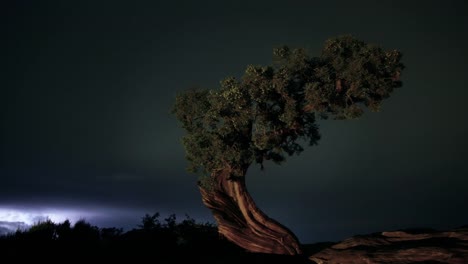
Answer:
(12, 219)
(32, 216)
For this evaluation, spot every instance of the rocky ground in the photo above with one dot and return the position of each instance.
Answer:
(398, 247)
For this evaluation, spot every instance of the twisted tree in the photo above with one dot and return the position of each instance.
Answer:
(270, 113)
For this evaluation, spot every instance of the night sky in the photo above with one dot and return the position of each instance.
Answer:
(87, 130)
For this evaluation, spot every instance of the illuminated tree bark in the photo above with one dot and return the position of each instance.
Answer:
(242, 222)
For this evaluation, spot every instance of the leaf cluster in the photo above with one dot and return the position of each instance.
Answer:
(271, 111)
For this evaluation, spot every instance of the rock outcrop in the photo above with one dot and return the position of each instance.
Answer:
(398, 247)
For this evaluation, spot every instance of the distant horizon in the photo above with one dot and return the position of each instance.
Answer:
(101, 217)
(11, 219)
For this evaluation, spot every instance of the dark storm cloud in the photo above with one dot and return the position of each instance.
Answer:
(87, 89)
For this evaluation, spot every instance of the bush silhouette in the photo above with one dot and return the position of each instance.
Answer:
(166, 241)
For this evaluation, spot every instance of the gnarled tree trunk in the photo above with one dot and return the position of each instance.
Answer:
(241, 221)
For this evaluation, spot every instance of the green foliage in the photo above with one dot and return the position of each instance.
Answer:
(353, 74)
(271, 110)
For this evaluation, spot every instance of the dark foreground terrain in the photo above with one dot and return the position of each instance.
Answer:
(402, 246)
(171, 241)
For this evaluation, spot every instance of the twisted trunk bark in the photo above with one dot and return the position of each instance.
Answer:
(242, 222)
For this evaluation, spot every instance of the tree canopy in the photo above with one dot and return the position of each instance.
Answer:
(271, 111)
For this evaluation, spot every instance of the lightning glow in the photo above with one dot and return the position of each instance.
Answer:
(32, 216)
(12, 219)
